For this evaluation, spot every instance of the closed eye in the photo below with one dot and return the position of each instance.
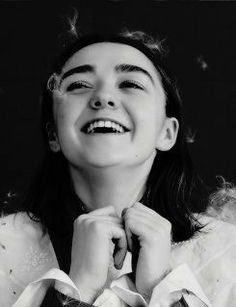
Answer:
(131, 84)
(77, 85)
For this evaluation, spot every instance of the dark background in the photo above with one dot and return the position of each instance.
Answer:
(201, 39)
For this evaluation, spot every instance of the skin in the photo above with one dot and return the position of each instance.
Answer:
(109, 171)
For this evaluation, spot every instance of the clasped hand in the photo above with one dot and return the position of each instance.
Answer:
(93, 247)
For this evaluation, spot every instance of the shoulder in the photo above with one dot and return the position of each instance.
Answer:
(20, 225)
(225, 213)
(25, 251)
(216, 239)
(222, 203)
(210, 254)
(220, 232)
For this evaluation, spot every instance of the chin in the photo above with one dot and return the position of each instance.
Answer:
(95, 160)
(122, 161)
(106, 158)
(104, 162)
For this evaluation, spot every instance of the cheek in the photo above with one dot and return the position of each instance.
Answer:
(61, 119)
(66, 113)
(151, 116)
(65, 121)
(151, 121)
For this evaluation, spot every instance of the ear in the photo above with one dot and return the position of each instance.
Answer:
(168, 136)
(52, 138)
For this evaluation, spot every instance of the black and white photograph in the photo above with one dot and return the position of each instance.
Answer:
(118, 153)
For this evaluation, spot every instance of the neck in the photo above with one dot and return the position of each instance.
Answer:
(112, 186)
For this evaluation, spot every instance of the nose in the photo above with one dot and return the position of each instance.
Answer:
(102, 101)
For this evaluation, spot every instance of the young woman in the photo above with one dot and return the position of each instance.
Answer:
(117, 205)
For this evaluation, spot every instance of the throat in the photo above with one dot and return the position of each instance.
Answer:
(119, 189)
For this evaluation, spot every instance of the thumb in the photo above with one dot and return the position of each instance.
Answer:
(120, 251)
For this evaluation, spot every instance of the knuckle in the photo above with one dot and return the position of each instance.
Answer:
(79, 219)
(129, 222)
(86, 222)
(138, 205)
(96, 226)
(168, 225)
(129, 213)
(165, 224)
(124, 212)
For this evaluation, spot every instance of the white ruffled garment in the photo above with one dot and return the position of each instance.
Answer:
(202, 269)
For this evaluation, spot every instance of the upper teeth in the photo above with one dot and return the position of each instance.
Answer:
(105, 123)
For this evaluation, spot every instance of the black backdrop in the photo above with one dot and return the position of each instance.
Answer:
(202, 55)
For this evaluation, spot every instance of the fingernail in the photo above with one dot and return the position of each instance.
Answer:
(117, 263)
(118, 266)
(123, 212)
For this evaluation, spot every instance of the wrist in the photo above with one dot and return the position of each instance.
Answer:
(87, 293)
(69, 301)
(66, 290)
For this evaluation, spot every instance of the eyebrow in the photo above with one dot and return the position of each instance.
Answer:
(79, 69)
(119, 68)
(133, 68)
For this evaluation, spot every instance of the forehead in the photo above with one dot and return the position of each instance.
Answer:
(108, 55)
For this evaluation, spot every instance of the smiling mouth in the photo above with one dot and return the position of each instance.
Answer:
(104, 126)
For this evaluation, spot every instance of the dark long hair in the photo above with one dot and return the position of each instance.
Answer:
(173, 188)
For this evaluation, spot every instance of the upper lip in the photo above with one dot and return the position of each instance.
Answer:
(86, 126)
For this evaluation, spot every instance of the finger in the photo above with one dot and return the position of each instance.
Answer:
(119, 238)
(129, 237)
(87, 219)
(146, 232)
(136, 225)
(146, 215)
(127, 230)
(140, 216)
(140, 219)
(104, 218)
(142, 208)
(104, 211)
(120, 252)
(143, 213)
(124, 212)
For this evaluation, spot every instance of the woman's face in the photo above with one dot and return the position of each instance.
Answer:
(110, 108)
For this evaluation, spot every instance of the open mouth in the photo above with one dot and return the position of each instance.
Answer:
(104, 126)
